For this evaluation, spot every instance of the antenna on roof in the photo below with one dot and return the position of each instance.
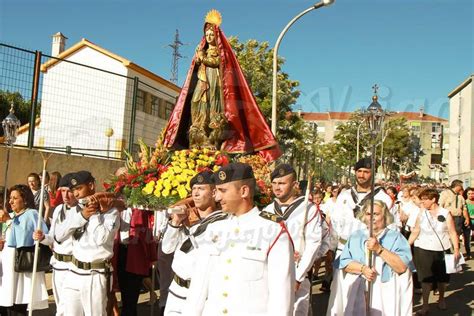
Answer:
(176, 57)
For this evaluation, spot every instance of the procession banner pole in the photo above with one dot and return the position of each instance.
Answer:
(303, 226)
(45, 158)
(370, 255)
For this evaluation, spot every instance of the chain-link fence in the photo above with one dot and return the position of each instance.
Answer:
(71, 105)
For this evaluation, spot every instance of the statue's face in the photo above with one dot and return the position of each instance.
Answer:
(210, 37)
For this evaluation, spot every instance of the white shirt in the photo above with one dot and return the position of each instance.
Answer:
(343, 221)
(428, 239)
(65, 246)
(309, 249)
(96, 243)
(244, 268)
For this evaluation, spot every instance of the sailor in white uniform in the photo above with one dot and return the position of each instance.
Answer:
(88, 282)
(245, 266)
(61, 260)
(344, 222)
(306, 228)
(184, 241)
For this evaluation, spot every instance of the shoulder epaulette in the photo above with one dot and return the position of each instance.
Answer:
(270, 216)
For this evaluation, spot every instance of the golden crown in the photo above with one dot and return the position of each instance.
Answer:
(213, 17)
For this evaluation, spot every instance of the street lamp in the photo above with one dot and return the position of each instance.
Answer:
(374, 117)
(109, 132)
(323, 3)
(10, 127)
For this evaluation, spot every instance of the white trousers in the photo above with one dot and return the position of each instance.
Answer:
(85, 294)
(58, 290)
(301, 307)
(174, 305)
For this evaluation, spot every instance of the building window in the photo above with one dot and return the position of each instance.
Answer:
(169, 109)
(140, 100)
(416, 127)
(435, 159)
(436, 127)
(155, 106)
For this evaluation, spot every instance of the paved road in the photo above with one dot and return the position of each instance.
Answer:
(459, 298)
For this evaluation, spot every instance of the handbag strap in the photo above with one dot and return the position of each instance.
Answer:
(426, 213)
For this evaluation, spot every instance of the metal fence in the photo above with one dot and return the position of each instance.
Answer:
(68, 106)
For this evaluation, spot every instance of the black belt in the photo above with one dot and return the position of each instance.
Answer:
(182, 282)
(91, 265)
(63, 258)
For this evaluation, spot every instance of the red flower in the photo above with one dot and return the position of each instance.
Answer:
(222, 160)
(106, 186)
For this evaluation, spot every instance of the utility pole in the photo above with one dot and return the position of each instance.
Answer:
(176, 57)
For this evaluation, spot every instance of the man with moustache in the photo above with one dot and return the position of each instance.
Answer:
(183, 240)
(245, 267)
(305, 225)
(344, 221)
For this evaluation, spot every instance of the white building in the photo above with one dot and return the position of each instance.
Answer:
(86, 100)
(461, 136)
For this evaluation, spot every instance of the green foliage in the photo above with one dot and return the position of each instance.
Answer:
(22, 107)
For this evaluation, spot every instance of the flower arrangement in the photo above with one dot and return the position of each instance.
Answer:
(162, 177)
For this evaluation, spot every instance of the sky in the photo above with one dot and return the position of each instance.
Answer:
(417, 51)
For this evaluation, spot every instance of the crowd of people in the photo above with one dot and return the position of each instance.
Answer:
(217, 253)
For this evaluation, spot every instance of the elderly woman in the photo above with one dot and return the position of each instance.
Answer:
(16, 286)
(431, 235)
(390, 274)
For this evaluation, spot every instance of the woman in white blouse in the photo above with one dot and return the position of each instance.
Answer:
(432, 236)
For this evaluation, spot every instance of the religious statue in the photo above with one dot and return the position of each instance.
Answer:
(216, 108)
(207, 118)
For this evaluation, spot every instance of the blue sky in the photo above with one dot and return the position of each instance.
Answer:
(416, 50)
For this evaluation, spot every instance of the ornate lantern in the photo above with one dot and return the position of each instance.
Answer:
(10, 127)
(375, 114)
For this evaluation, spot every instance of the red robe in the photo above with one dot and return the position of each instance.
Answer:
(248, 131)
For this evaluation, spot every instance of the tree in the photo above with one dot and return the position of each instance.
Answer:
(22, 107)
(255, 59)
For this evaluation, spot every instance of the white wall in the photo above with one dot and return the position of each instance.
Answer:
(461, 135)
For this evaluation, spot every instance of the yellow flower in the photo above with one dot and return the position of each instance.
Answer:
(159, 187)
(194, 150)
(183, 165)
(211, 159)
(167, 184)
(182, 191)
(174, 192)
(191, 165)
(191, 155)
(216, 168)
(147, 190)
(175, 183)
(165, 193)
(188, 186)
(205, 150)
(157, 193)
(177, 169)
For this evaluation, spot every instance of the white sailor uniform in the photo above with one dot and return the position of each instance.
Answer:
(344, 223)
(88, 282)
(245, 267)
(61, 260)
(183, 243)
(309, 250)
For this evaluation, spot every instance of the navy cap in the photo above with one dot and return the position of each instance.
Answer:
(363, 163)
(203, 177)
(65, 180)
(80, 177)
(233, 172)
(282, 170)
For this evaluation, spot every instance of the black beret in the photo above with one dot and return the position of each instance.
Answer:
(203, 177)
(80, 177)
(233, 172)
(363, 163)
(281, 171)
(65, 180)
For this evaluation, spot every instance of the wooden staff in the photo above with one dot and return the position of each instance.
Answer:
(303, 225)
(45, 158)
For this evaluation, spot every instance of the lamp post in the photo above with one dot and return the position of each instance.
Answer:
(109, 132)
(10, 127)
(374, 116)
(318, 5)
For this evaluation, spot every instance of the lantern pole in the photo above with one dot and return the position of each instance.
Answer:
(10, 126)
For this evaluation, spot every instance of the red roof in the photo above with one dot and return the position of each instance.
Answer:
(345, 116)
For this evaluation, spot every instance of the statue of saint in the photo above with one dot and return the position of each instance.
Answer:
(216, 108)
(207, 116)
